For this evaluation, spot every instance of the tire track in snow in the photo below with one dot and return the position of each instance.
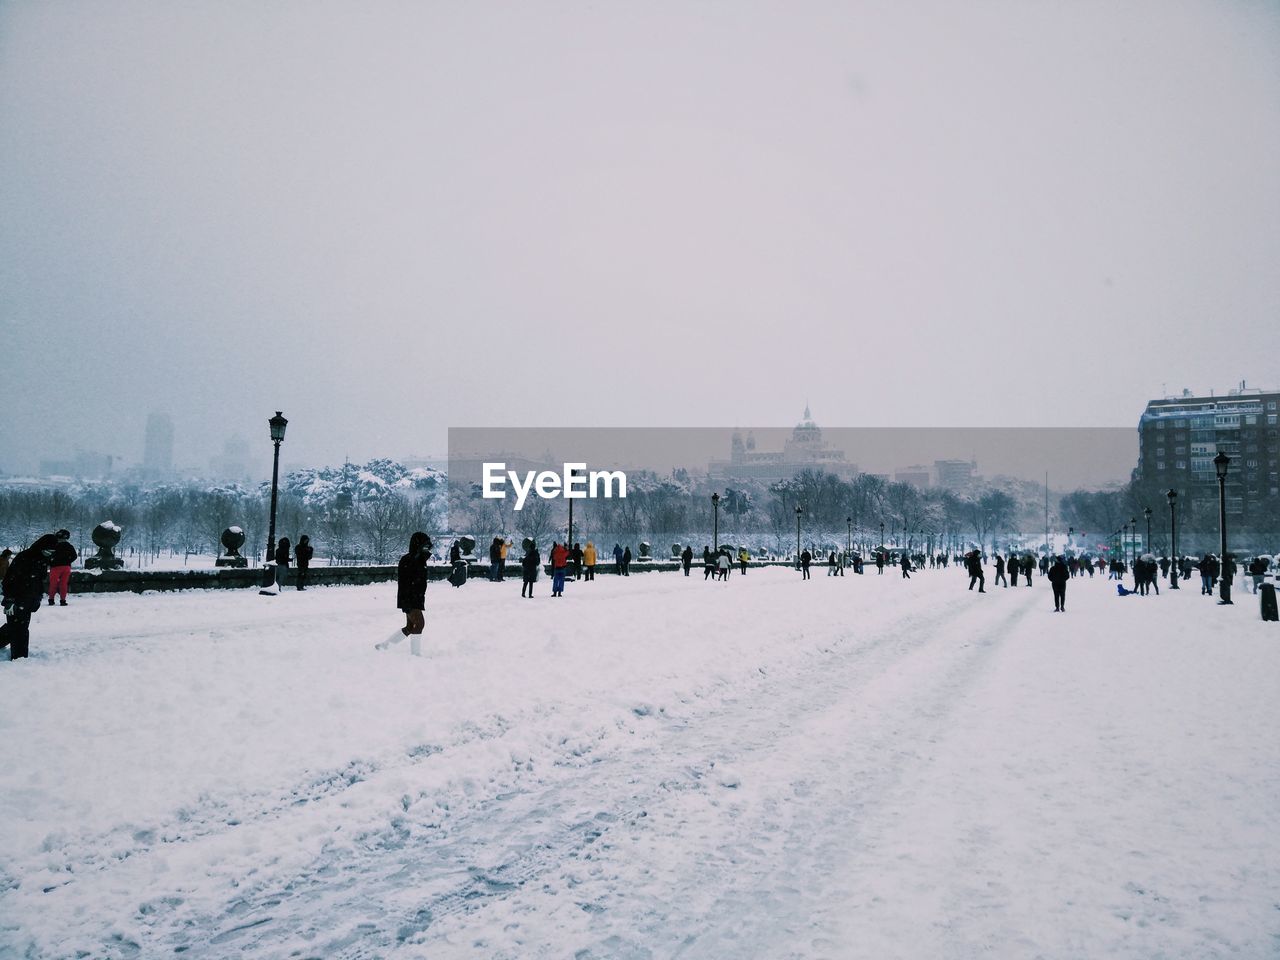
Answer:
(556, 823)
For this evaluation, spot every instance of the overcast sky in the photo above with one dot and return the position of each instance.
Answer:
(386, 219)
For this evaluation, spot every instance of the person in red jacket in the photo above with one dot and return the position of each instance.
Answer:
(64, 555)
(559, 561)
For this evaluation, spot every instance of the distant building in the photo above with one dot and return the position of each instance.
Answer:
(955, 474)
(917, 476)
(805, 450)
(1180, 436)
(85, 465)
(157, 452)
(233, 464)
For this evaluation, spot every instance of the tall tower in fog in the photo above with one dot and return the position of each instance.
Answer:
(157, 453)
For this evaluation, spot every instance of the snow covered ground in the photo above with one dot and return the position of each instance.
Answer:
(649, 767)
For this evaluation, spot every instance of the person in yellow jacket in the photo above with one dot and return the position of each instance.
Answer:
(503, 547)
(743, 557)
(589, 561)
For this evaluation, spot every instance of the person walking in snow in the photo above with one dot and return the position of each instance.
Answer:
(831, 563)
(1027, 566)
(504, 547)
(559, 564)
(1208, 574)
(411, 593)
(743, 557)
(5, 556)
(905, 563)
(589, 561)
(303, 553)
(879, 561)
(1000, 577)
(805, 559)
(23, 586)
(686, 559)
(283, 559)
(973, 562)
(575, 557)
(617, 559)
(724, 565)
(626, 562)
(64, 555)
(1058, 575)
(708, 563)
(529, 564)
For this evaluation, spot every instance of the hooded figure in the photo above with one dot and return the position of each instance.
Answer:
(64, 555)
(589, 561)
(303, 553)
(23, 587)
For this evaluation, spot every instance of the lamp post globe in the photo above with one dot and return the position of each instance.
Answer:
(1175, 570)
(1220, 464)
(277, 425)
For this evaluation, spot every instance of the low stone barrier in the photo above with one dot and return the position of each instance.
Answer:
(232, 578)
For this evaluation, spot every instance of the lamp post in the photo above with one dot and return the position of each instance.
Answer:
(881, 536)
(1220, 463)
(848, 537)
(277, 424)
(1133, 541)
(799, 514)
(715, 522)
(1174, 571)
(568, 542)
(1146, 512)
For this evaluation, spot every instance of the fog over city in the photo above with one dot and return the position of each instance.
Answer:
(387, 219)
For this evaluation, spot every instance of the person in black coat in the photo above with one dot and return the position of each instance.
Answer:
(64, 555)
(23, 587)
(282, 562)
(529, 565)
(626, 562)
(1058, 576)
(411, 593)
(1000, 571)
(973, 563)
(686, 559)
(575, 558)
(905, 563)
(303, 553)
(806, 558)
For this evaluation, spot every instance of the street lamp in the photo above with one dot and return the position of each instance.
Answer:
(848, 538)
(882, 536)
(1220, 463)
(715, 522)
(1175, 572)
(799, 514)
(277, 424)
(1146, 512)
(1133, 541)
(568, 543)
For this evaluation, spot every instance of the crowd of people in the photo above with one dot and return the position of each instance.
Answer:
(43, 572)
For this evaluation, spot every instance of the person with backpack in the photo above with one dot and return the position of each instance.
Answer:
(22, 589)
(303, 553)
(411, 594)
(529, 565)
(64, 555)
